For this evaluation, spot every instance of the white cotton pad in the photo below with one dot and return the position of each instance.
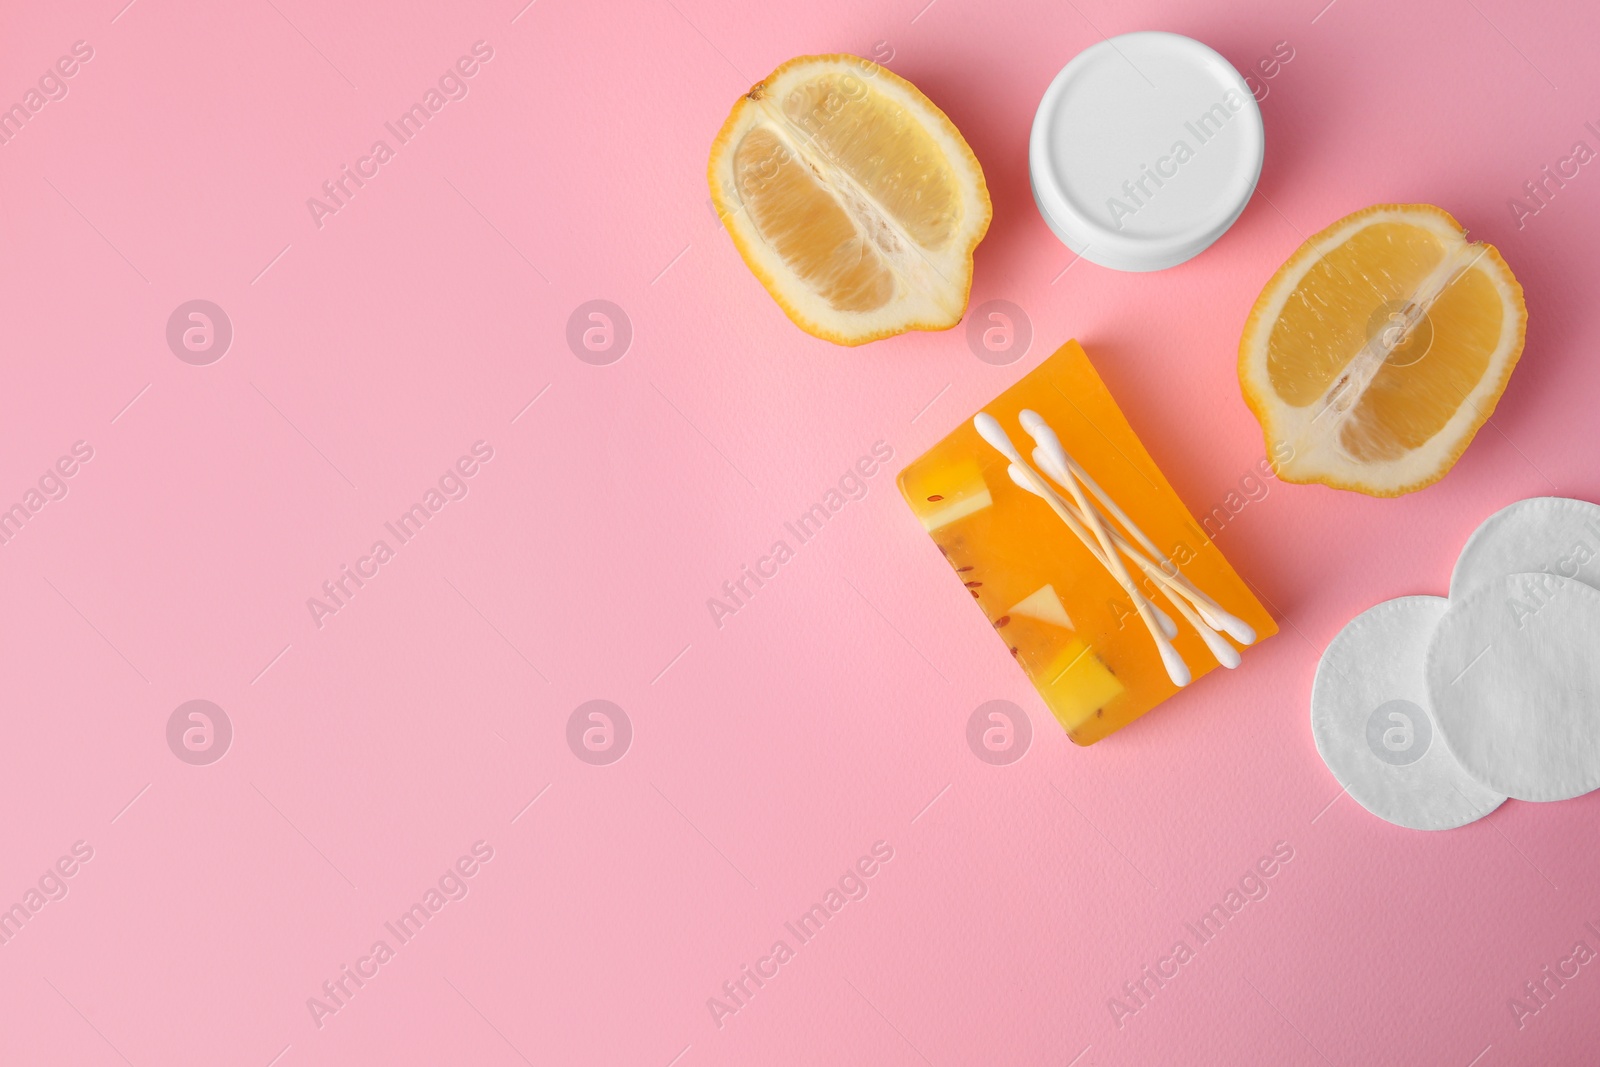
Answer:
(1515, 685)
(1370, 718)
(1542, 533)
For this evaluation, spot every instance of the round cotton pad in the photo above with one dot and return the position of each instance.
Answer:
(1369, 715)
(1515, 685)
(1542, 533)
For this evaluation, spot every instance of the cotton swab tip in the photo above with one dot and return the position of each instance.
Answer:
(1034, 423)
(990, 430)
(1021, 478)
(1233, 626)
(1050, 463)
(1177, 670)
(1045, 438)
(1226, 654)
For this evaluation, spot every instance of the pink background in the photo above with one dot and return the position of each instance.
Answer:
(830, 712)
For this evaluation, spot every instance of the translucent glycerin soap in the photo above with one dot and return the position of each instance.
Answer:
(1029, 540)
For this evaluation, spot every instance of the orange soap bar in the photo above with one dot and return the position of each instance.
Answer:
(1060, 612)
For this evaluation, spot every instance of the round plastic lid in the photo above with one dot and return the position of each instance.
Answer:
(1145, 149)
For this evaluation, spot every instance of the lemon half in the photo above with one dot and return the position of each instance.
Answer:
(852, 198)
(1379, 349)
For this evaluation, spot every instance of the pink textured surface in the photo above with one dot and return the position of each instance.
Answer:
(829, 713)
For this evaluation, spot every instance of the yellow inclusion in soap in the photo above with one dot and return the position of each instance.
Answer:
(1080, 643)
(1077, 685)
(949, 493)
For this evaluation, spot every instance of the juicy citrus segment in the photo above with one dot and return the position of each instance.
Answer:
(1325, 319)
(889, 154)
(1377, 351)
(1407, 404)
(852, 199)
(807, 227)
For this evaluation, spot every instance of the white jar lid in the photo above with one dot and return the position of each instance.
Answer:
(1145, 149)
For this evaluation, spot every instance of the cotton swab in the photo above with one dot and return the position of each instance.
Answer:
(1163, 620)
(991, 431)
(1087, 512)
(1056, 456)
(1225, 654)
(1214, 617)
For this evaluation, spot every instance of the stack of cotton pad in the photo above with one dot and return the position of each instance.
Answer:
(1430, 712)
